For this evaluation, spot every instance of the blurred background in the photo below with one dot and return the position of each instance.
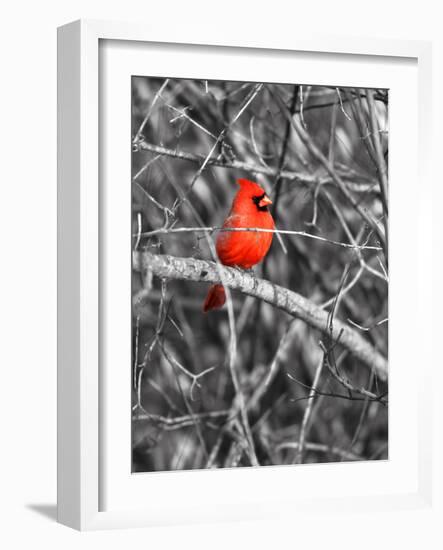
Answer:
(321, 153)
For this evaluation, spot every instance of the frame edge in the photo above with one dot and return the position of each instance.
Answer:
(68, 275)
(75, 497)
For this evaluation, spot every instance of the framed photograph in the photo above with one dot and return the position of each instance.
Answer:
(235, 276)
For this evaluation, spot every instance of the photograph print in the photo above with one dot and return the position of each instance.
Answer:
(259, 258)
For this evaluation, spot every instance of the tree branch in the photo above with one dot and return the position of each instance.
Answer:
(305, 178)
(294, 304)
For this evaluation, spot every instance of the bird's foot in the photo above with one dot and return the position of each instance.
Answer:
(248, 270)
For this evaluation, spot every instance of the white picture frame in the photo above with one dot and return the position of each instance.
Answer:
(82, 416)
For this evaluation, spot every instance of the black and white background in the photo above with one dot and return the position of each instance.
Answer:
(262, 385)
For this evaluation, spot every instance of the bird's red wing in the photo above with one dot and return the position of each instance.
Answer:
(226, 240)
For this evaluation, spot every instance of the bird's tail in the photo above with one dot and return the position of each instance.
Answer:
(215, 298)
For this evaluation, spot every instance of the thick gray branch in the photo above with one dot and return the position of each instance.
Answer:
(296, 305)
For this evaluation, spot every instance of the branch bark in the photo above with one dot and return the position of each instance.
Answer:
(190, 269)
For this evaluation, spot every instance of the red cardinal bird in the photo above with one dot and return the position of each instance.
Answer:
(243, 248)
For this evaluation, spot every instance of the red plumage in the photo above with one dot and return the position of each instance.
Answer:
(243, 249)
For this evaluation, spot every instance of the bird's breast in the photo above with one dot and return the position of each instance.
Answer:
(244, 248)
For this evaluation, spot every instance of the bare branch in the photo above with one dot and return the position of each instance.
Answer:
(346, 455)
(194, 377)
(341, 104)
(179, 422)
(294, 304)
(166, 230)
(280, 357)
(344, 381)
(151, 108)
(307, 414)
(315, 151)
(304, 178)
(379, 158)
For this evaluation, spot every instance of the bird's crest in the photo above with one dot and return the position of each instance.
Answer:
(248, 184)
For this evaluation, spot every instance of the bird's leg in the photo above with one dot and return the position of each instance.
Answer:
(247, 270)
(250, 272)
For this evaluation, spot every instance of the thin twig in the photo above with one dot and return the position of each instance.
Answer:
(312, 147)
(151, 108)
(219, 139)
(280, 357)
(145, 167)
(139, 230)
(320, 448)
(302, 117)
(350, 236)
(254, 143)
(315, 151)
(179, 422)
(344, 381)
(137, 330)
(303, 178)
(347, 397)
(366, 329)
(194, 377)
(379, 157)
(164, 231)
(341, 104)
(307, 414)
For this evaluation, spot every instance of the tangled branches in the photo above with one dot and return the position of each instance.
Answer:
(297, 370)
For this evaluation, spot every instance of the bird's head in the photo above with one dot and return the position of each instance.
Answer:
(252, 191)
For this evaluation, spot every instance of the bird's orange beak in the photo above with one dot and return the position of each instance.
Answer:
(265, 201)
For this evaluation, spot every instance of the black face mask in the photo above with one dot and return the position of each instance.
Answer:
(256, 201)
